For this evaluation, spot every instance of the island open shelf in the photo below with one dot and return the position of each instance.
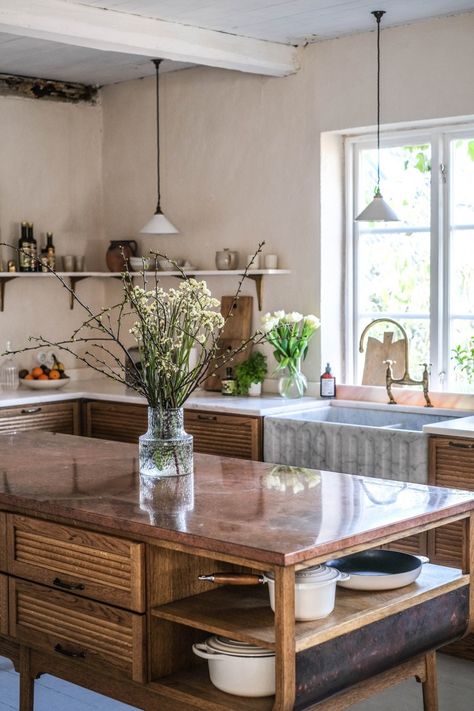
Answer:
(245, 613)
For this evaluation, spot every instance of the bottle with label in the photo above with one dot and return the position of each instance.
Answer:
(327, 383)
(50, 250)
(24, 254)
(44, 260)
(228, 384)
(8, 372)
(33, 249)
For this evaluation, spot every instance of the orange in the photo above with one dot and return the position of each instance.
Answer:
(54, 375)
(36, 372)
(29, 377)
(42, 377)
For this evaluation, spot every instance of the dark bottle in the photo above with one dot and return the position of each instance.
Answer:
(50, 250)
(327, 383)
(228, 384)
(24, 253)
(33, 249)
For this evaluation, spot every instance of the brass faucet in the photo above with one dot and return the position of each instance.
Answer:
(406, 379)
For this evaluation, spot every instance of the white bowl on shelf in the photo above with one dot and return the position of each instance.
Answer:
(44, 384)
(139, 264)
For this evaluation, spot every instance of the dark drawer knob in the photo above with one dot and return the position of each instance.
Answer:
(30, 410)
(208, 418)
(67, 586)
(69, 652)
(460, 445)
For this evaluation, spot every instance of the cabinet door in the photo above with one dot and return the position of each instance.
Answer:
(52, 417)
(3, 604)
(115, 421)
(451, 465)
(227, 435)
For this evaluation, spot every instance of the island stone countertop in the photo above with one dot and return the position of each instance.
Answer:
(231, 506)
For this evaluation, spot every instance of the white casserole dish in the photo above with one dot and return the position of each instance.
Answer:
(315, 591)
(238, 668)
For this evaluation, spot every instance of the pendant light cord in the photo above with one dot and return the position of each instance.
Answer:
(378, 14)
(157, 63)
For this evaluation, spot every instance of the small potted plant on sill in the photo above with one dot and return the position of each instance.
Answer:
(250, 375)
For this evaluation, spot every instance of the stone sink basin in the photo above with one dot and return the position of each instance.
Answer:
(384, 441)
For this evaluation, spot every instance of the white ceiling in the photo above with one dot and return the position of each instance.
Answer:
(288, 21)
(281, 21)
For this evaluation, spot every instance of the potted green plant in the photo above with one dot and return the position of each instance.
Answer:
(250, 374)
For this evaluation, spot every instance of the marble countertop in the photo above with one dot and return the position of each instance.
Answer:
(272, 514)
(108, 390)
(462, 427)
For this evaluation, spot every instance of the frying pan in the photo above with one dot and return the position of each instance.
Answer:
(378, 569)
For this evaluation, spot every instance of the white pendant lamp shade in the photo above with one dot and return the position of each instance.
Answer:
(378, 210)
(159, 224)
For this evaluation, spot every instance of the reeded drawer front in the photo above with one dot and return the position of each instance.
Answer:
(3, 604)
(53, 417)
(225, 435)
(88, 564)
(75, 628)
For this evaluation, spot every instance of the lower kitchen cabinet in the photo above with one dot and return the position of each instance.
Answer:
(214, 433)
(52, 417)
(451, 464)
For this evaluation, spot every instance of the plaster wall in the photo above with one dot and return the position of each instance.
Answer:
(51, 175)
(241, 156)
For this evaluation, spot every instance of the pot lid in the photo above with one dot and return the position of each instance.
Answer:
(314, 574)
(234, 647)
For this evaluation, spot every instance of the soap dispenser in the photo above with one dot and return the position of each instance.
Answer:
(327, 383)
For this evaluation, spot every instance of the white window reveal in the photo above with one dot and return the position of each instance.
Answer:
(419, 271)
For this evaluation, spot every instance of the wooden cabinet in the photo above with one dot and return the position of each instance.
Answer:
(94, 634)
(53, 417)
(88, 564)
(3, 604)
(214, 433)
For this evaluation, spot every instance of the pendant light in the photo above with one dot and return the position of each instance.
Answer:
(159, 224)
(378, 210)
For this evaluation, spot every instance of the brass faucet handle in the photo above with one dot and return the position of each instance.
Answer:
(390, 362)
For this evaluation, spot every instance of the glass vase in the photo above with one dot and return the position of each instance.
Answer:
(165, 449)
(293, 382)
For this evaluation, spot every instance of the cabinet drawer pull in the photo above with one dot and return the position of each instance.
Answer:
(67, 586)
(69, 653)
(460, 445)
(30, 410)
(209, 418)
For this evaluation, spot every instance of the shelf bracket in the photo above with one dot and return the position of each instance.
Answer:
(73, 280)
(3, 281)
(258, 279)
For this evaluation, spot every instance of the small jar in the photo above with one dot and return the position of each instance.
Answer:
(228, 384)
(227, 259)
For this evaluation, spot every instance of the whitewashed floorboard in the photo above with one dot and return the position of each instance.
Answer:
(456, 692)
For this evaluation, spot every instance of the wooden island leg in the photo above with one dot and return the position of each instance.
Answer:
(285, 639)
(27, 682)
(430, 684)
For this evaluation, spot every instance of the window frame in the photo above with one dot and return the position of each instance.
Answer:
(439, 137)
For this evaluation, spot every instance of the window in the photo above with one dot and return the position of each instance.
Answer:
(419, 271)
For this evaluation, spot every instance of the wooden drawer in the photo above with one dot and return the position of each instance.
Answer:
(62, 624)
(52, 417)
(88, 564)
(3, 604)
(115, 421)
(225, 435)
(451, 465)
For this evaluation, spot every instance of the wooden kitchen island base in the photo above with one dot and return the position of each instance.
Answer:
(99, 577)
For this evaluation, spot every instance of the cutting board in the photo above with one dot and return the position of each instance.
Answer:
(378, 351)
(237, 329)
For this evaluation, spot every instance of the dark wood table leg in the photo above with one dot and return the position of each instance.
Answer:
(27, 682)
(430, 685)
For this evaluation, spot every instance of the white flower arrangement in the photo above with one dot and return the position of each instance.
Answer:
(289, 334)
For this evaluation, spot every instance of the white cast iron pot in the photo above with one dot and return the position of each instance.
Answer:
(238, 668)
(315, 591)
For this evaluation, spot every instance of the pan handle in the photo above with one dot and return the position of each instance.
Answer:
(233, 578)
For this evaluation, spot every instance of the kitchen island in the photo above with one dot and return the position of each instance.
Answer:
(99, 576)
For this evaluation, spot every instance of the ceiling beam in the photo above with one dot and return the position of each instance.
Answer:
(111, 31)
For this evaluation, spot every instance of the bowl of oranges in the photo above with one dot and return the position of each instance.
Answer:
(44, 378)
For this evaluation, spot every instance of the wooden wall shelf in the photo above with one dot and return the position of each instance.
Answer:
(74, 278)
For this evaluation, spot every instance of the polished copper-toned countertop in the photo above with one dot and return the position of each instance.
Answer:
(273, 514)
